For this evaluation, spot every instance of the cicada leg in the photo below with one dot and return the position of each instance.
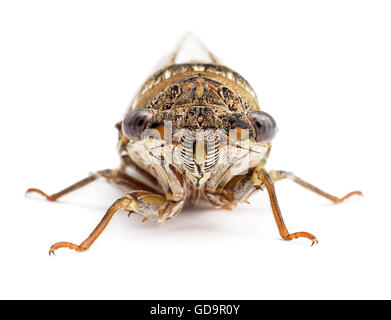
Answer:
(240, 187)
(237, 190)
(277, 175)
(113, 176)
(125, 202)
(261, 178)
(145, 203)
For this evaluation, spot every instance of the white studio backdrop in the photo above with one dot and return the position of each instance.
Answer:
(68, 71)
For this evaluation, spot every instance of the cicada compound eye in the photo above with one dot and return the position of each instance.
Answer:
(264, 125)
(134, 123)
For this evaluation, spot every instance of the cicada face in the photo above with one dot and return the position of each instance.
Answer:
(198, 117)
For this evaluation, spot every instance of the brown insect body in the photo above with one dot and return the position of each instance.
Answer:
(194, 131)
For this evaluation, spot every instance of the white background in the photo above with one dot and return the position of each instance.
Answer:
(68, 70)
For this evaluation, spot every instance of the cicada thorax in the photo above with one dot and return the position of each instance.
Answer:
(196, 84)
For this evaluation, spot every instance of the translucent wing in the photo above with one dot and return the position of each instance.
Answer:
(189, 49)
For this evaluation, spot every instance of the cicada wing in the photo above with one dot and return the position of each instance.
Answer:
(189, 49)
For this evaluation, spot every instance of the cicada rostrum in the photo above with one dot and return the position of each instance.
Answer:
(194, 132)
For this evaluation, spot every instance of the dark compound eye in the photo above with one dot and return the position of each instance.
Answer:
(264, 125)
(134, 123)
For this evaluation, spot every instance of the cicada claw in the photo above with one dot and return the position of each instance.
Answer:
(296, 235)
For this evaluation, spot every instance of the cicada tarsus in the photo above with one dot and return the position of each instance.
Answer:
(193, 132)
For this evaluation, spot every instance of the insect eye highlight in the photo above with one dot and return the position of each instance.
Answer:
(134, 123)
(264, 125)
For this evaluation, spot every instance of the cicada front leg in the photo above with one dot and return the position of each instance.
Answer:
(239, 188)
(261, 178)
(145, 203)
(277, 175)
(125, 202)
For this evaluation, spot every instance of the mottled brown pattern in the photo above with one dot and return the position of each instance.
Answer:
(196, 84)
(197, 90)
(175, 69)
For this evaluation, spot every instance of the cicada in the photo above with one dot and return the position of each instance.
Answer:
(194, 131)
